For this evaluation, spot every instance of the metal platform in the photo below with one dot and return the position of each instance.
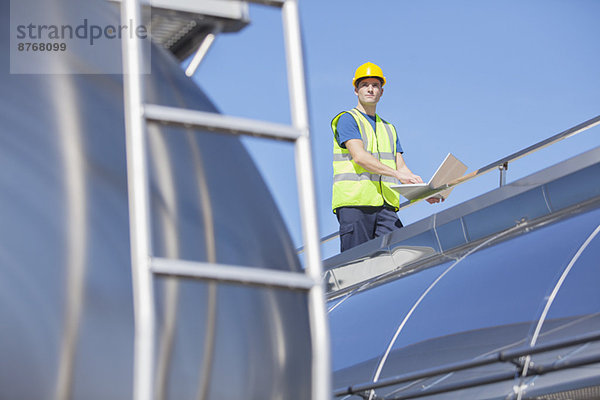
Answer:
(181, 26)
(549, 194)
(494, 298)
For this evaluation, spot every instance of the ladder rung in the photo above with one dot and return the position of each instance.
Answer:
(219, 122)
(232, 273)
(275, 3)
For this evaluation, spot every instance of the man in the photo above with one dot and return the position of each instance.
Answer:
(367, 159)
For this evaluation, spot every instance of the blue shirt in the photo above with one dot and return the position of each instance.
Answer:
(347, 129)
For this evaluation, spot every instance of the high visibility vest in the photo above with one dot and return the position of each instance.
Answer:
(352, 184)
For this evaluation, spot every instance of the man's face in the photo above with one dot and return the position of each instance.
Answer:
(369, 90)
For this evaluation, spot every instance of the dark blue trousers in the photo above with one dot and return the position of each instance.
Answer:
(361, 224)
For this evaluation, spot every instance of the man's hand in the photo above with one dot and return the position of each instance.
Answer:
(408, 177)
(403, 173)
(435, 199)
(370, 163)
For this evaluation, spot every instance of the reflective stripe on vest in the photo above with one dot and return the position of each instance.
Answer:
(363, 176)
(348, 156)
(354, 185)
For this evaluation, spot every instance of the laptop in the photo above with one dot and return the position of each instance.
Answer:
(450, 169)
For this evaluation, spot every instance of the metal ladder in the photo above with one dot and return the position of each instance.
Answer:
(145, 267)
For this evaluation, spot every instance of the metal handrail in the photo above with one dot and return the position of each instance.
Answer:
(502, 356)
(501, 164)
(500, 377)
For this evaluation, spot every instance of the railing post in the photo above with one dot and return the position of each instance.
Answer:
(503, 168)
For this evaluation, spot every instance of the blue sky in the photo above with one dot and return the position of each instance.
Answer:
(479, 78)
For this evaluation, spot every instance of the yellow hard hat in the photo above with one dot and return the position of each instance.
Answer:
(368, 70)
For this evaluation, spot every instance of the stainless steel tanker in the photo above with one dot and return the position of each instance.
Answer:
(495, 298)
(66, 312)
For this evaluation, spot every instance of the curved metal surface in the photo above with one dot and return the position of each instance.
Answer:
(431, 287)
(517, 268)
(65, 279)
